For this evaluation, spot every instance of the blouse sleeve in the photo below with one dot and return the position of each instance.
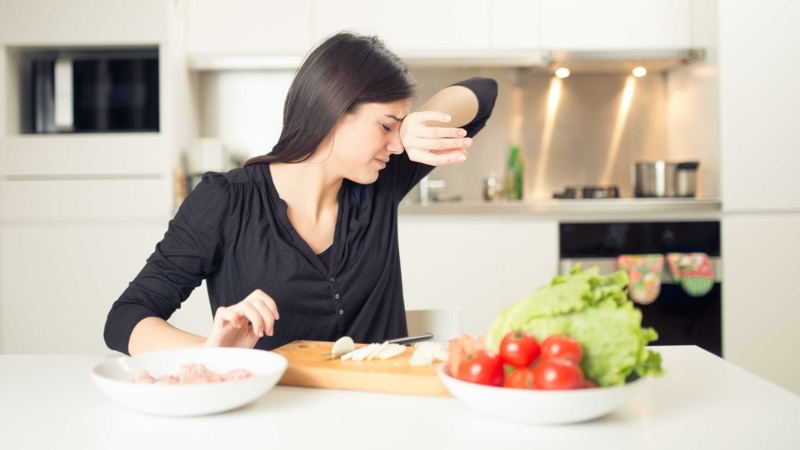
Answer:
(405, 173)
(191, 249)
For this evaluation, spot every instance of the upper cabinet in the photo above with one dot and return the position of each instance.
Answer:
(410, 25)
(436, 30)
(759, 137)
(514, 24)
(590, 25)
(242, 27)
(77, 22)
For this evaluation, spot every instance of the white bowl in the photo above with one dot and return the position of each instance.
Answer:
(114, 378)
(539, 407)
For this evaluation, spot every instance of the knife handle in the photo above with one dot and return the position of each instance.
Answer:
(411, 339)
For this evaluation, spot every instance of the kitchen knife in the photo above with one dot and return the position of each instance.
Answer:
(411, 339)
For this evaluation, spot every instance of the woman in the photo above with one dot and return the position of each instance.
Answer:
(302, 243)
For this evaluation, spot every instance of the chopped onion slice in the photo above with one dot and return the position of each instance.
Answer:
(343, 346)
(392, 351)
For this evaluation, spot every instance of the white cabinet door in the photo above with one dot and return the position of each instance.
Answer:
(514, 24)
(83, 22)
(759, 105)
(480, 264)
(60, 279)
(411, 25)
(82, 199)
(761, 301)
(615, 24)
(234, 27)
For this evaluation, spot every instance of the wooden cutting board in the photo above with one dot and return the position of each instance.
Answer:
(311, 365)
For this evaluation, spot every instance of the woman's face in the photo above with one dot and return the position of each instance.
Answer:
(363, 141)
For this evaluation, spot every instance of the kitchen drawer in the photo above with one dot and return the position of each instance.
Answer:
(92, 154)
(80, 22)
(78, 199)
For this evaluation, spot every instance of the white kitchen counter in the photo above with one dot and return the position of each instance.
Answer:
(571, 209)
(703, 402)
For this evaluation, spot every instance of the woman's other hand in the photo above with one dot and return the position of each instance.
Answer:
(431, 145)
(230, 323)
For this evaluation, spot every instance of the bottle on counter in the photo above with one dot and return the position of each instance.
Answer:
(515, 173)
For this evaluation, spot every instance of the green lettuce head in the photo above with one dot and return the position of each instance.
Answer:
(595, 311)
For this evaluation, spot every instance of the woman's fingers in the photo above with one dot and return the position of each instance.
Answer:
(268, 301)
(266, 314)
(438, 158)
(440, 132)
(438, 144)
(436, 116)
(254, 316)
(227, 314)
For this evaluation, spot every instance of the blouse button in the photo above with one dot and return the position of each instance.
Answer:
(336, 296)
(333, 280)
(341, 312)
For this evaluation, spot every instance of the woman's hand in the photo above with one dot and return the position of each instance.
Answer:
(230, 323)
(434, 146)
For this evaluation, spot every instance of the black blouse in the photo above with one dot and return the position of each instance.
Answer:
(233, 231)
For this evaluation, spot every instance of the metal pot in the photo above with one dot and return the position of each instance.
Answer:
(664, 179)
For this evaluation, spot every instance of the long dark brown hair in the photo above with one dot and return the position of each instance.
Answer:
(344, 72)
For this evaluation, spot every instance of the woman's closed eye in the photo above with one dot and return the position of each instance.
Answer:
(385, 127)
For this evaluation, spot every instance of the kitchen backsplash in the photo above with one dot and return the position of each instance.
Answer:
(582, 130)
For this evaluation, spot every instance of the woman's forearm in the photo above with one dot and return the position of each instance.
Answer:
(153, 333)
(457, 101)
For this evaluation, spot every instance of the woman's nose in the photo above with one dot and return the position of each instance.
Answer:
(395, 145)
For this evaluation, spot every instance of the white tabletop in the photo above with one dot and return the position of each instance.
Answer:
(50, 402)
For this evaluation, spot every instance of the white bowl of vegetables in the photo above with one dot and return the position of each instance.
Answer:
(521, 397)
(574, 350)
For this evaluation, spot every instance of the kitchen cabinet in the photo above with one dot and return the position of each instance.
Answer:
(85, 199)
(760, 141)
(761, 300)
(478, 263)
(83, 22)
(615, 24)
(60, 279)
(514, 24)
(410, 26)
(237, 27)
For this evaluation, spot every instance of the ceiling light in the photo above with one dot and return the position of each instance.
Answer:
(639, 72)
(562, 72)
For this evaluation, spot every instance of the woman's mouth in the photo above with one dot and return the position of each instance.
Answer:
(381, 163)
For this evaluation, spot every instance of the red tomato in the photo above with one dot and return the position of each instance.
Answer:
(562, 347)
(481, 368)
(519, 349)
(521, 378)
(557, 374)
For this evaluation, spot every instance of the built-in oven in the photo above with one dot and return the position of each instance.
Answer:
(678, 317)
(85, 91)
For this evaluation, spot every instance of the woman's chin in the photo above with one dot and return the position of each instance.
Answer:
(365, 177)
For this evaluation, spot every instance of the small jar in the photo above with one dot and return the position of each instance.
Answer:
(492, 189)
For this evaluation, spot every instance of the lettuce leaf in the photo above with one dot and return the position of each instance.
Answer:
(595, 311)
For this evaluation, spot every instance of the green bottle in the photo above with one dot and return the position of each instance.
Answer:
(514, 174)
